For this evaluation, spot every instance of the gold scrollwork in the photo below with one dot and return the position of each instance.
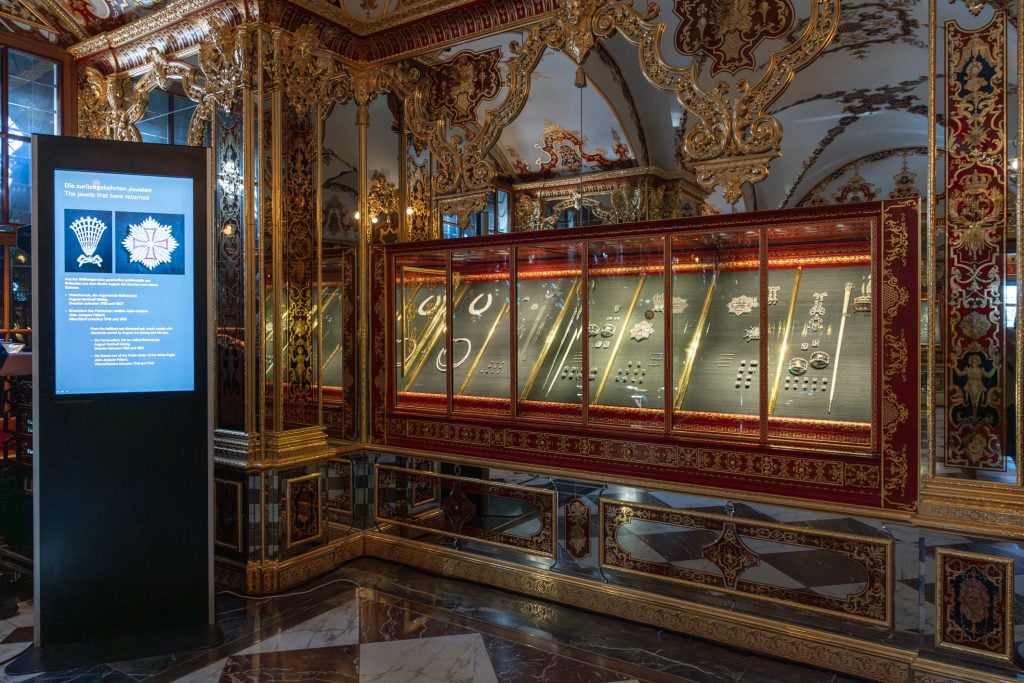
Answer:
(734, 138)
(110, 106)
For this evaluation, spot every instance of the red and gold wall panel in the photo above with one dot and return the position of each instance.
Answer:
(976, 192)
(974, 603)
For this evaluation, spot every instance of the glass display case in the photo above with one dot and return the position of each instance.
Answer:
(756, 332)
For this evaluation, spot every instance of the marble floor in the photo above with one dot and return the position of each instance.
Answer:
(377, 621)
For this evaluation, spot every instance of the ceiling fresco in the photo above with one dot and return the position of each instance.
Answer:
(857, 112)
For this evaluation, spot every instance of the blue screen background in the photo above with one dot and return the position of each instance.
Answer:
(123, 325)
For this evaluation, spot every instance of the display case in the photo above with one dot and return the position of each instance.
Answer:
(769, 351)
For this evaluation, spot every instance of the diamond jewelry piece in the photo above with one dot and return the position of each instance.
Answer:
(773, 294)
(751, 334)
(658, 303)
(742, 304)
(474, 309)
(442, 367)
(819, 360)
(642, 330)
(797, 366)
(593, 329)
(819, 304)
(607, 330)
(679, 304)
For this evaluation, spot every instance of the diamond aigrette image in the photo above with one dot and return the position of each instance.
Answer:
(88, 241)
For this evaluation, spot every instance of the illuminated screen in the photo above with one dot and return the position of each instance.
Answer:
(123, 291)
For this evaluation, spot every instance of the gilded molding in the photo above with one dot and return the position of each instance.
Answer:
(235, 449)
(272, 576)
(295, 446)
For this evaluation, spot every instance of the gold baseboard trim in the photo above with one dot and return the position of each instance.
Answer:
(926, 671)
(830, 651)
(969, 507)
(272, 576)
(652, 484)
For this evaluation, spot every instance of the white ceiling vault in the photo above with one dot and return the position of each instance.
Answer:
(854, 118)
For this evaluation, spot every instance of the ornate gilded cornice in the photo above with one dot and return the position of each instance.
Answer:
(174, 30)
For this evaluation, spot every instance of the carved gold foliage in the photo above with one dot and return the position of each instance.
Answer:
(461, 163)
(109, 106)
(382, 201)
(529, 214)
(306, 77)
(461, 207)
(420, 225)
(218, 80)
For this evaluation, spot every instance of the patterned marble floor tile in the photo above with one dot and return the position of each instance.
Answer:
(516, 663)
(322, 664)
(444, 659)
(208, 674)
(339, 626)
(389, 619)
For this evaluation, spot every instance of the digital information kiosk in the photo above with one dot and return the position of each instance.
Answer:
(122, 405)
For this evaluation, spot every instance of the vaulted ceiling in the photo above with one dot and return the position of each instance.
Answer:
(855, 120)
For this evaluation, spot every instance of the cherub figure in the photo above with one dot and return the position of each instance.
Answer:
(974, 387)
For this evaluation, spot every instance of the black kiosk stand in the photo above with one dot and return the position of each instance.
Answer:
(122, 339)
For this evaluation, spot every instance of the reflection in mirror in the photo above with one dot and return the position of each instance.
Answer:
(339, 239)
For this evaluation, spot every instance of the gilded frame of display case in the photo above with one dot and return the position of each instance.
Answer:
(841, 281)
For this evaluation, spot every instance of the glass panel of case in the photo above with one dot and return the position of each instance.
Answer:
(625, 331)
(420, 328)
(820, 330)
(480, 332)
(549, 330)
(716, 350)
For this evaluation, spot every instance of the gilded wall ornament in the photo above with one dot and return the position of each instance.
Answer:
(461, 83)
(110, 106)
(733, 139)
(216, 83)
(729, 31)
(382, 202)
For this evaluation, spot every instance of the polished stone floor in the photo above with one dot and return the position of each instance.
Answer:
(376, 621)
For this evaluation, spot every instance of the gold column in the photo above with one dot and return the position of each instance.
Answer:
(365, 237)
